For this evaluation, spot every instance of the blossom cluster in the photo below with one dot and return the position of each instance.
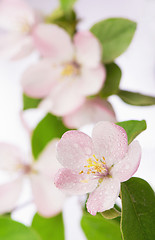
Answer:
(66, 79)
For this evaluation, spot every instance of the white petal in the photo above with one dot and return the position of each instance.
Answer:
(25, 47)
(39, 79)
(129, 164)
(10, 157)
(72, 182)
(63, 99)
(48, 199)
(47, 163)
(110, 141)
(9, 194)
(88, 49)
(14, 14)
(14, 47)
(73, 150)
(92, 111)
(54, 42)
(91, 80)
(104, 197)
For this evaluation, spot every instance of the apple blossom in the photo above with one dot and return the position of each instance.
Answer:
(18, 23)
(96, 165)
(47, 198)
(70, 72)
(91, 111)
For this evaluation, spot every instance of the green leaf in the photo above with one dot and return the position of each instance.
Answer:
(99, 228)
(67, 5)
(113, 77)
(115, 35)
(138, 210)
(133, 128)
(11, 230)
(8, 215)
(135, 98)
(49, 228)
(66, 20)
(111, 213)
(50, 127)
(29, 102)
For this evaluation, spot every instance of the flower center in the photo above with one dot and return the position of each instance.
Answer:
(70, 69)
(26, 168)
(25, 28)
(96, 167)
(22, 25)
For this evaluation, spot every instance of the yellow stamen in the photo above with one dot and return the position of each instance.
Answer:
(95, 158)
(89, 160)
(68, 70)
(25, 28)
(95, 166)
(84, 181)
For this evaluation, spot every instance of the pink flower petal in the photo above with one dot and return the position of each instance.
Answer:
(14, 14)
(129, 164)
(10, 157)
(54, 42)
(14, 46)
(91, 80)
(110, 141)
(9, 194)
(72, 182)
(73, 149)
(38, 79)
(88, 49)
(64, 97)
(104, 197)
(92, 111)
(25, 47)
(48, 199)
(47, 163)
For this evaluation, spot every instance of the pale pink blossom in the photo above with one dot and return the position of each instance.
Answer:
(71, 71)
(91, 111)
(96, 165)
(18, 23)
(47, 198)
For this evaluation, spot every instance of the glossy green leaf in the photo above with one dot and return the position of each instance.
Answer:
(113, 77)
(111, 213)
(67, 5)
(11, 230)
(138, 210)
(99, 228)
(49, 228)
(133, 128)
(29, 102)
(50, 127)
(66, 20)
(115, 35)
(135, 98)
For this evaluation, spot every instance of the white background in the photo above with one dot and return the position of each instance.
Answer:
(138, 74)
